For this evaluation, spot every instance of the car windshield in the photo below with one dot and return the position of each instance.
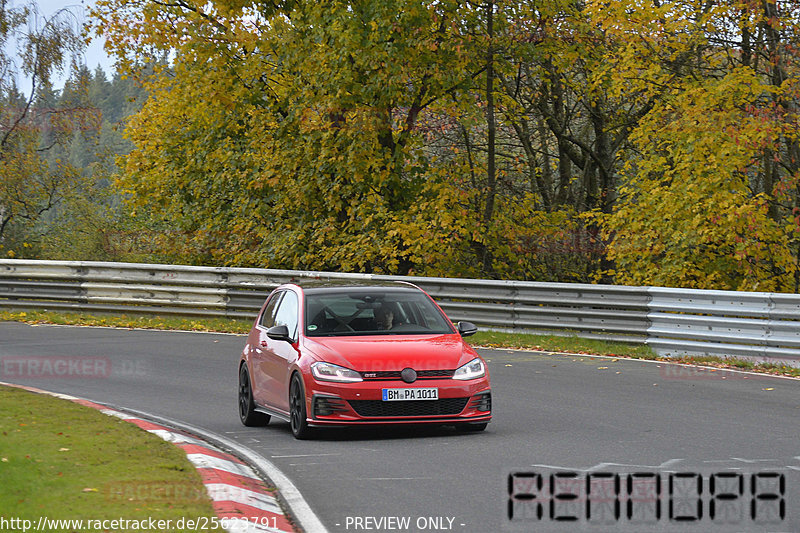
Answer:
(373, 311)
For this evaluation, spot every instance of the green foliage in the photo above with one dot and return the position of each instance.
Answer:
(702, 207)
(293, 140)
(481, 140)
(32, 49)
(56, 187)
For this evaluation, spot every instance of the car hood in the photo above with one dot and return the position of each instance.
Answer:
(392, 352)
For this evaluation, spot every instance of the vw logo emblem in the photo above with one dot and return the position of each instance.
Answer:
(409, 375)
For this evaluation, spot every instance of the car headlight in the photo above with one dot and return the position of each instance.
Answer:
(329, 372)
(473, 370)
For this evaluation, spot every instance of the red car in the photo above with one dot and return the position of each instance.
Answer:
(327, 354)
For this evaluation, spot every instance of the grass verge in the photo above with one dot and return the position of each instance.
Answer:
(556, 343)
(61, 460)
(489, 339)
(218, 325)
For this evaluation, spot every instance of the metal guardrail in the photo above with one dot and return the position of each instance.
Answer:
(606, 311)
(672, 321)
(701, 322)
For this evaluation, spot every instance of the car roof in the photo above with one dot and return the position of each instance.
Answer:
(317, 286)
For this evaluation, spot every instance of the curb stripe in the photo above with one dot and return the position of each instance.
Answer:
(200, 460)
(230, 493)
(111, 412)
(87, 403)
(145, 425)
(194, 448)
(211, 476)
(176, 438)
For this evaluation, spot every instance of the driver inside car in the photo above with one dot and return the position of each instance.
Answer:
(384, 317)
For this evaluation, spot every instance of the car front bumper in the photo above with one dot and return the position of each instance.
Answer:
(336, 404)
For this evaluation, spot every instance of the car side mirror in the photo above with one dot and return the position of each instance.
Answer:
(279, 333)
(467, 328)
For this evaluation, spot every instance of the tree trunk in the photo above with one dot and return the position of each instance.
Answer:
(491, 126)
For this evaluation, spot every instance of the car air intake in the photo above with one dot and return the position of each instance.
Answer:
(482, 402)
(327, 406)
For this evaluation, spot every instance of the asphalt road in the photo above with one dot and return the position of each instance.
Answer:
(618, 429)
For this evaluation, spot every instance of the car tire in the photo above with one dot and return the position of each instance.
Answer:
(472, 427)
(297, 409)
(247, 413)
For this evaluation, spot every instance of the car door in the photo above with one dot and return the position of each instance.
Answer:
(277, 355)
(258, 361)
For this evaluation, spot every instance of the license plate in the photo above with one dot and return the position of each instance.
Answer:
(401, 395)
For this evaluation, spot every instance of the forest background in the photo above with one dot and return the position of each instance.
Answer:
(630, 142)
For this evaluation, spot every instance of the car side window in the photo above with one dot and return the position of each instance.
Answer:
(268, 316)
(287, 313)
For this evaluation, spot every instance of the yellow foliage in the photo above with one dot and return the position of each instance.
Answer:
(687, 216)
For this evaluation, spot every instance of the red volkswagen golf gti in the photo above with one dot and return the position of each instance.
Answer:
(357, 354)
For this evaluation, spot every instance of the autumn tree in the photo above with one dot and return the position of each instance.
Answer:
(711, 195)
(471, 138)
(560, 138)
(88, 222)
(32, 49)
(291, 136)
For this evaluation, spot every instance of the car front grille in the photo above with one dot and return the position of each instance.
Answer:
(394, 375)
(381, 409)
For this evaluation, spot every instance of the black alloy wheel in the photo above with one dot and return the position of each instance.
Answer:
(297, 409)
